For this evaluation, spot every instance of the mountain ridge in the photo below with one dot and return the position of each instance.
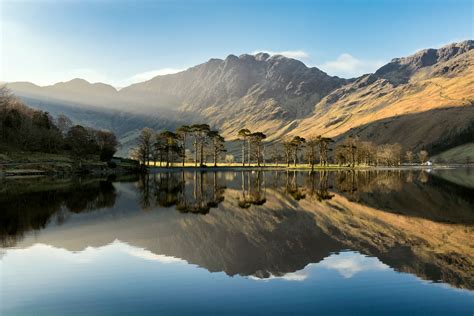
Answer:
(282, 96)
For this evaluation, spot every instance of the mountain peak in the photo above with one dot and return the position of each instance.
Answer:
(399, 70)
(262, 56)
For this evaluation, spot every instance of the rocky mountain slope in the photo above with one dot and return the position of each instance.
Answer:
(422, 101)
(416, 101)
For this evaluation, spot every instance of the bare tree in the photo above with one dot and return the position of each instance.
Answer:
(200, 133)
(288, 148)
(243, 136)
(311, 145)
(183, 132)
(144, 146)
(217, 142)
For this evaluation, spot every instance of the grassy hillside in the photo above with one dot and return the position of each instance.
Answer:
(430, 106)
(459, 154)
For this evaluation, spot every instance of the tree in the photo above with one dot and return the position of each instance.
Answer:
(311, 145)
(81, 142)
(169, 144)
(218, 147)
(275, 153)
(350, 146)
(257, 139)
(297, 142)
(183, 131)
(423, 156)
(243, 135)
(107, 142)
(324, 149)
(63, 123)
(367, 152)
(144, 147)
(288, 148)
(200, 133)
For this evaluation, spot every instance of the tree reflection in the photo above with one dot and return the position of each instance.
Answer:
(320, 190)
(196, 195)
(253, 189)
(24, 210)
(292, 187)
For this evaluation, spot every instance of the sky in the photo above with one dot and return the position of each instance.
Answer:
(122, 42)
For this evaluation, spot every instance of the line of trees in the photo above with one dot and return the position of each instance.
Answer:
(24, 128)
(208, 145)
(166, 146)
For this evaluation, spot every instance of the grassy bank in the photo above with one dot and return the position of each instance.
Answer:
(21, 163)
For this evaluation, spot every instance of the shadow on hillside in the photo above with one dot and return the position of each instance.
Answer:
(440, 130)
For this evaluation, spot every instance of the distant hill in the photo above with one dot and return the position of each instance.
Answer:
(421, 101)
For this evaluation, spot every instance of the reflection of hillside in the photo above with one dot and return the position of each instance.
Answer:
(413, 193)
(431, 250)
(331, 212)
(273, 239)
(25, 211)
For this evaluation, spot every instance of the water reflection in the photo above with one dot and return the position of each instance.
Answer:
(264, 225)
(195, 192)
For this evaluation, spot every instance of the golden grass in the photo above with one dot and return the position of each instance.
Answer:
(379, 101)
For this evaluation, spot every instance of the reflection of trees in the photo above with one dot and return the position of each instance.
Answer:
(253, 189)
(292, 187)
(321, 189)
(205, 193)
(166, 189)
(354, 183)
(22, 212)
(90, 198)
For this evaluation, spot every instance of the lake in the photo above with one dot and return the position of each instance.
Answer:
(375, 242)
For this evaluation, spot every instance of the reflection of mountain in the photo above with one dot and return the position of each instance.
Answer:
(285, 233)
(412, 193)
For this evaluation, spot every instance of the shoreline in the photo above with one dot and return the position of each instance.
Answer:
(305, 168)
(57, 169)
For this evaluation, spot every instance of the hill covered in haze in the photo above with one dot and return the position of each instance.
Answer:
(425, 100)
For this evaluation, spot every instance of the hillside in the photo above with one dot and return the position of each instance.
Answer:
(421, 101)
(459, 154)
(416, 101)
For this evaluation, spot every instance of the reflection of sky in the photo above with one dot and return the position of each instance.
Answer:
(347, 264)
(122, 279)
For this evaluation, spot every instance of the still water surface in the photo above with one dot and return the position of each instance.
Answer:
(239, 242)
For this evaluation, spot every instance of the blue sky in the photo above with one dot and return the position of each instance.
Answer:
(120, 42)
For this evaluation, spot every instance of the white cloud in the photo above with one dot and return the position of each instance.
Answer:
(150, 256)
(350, 263)
(347, 65)
(300, 275)
(347, 264)
(297, 54)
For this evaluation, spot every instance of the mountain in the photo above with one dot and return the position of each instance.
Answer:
(260, 90)
(421, 101)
